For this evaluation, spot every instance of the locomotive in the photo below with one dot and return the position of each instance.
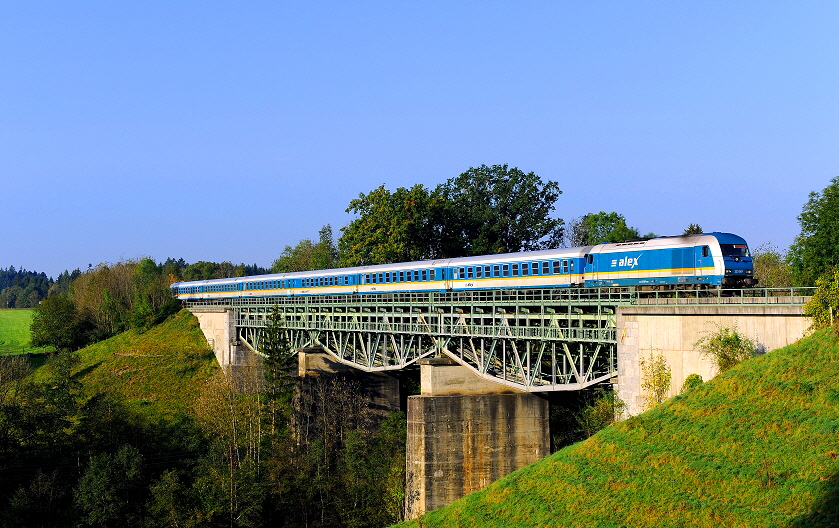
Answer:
(708, 260)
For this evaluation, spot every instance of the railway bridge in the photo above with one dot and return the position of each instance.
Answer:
(487, 358)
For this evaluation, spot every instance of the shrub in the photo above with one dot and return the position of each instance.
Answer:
(726, 347)
(691, 382)
(655, 379)
(605, 410)
(823, 307)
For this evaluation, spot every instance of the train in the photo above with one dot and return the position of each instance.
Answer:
(702, 261)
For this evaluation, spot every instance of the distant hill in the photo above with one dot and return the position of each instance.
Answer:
(756, 446)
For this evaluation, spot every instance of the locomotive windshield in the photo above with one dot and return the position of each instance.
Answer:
(735, 250)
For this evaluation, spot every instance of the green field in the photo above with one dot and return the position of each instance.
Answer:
(14, 332)
(756, 446)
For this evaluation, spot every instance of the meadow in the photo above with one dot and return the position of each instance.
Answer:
(14, 332)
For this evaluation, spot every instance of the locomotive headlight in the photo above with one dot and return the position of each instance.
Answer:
(728, 271)
(749, 272)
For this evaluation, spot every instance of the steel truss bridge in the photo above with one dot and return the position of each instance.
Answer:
(532, 340)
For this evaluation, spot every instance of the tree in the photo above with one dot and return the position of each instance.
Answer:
(108, 490)
(771, 266)
(279, 366)
(56, 322)
(392, 227)
(816, 249)
(601, 227)
(726, 347)
(499, 209)
(153, 300)
(307, 255)
(693, 229)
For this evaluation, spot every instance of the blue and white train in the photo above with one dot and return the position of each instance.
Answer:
(710, 260)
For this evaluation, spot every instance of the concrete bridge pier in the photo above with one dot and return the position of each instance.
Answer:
(465, 432)
(219, 327)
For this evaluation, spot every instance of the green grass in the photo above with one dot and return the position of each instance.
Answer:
(14, 332)
(757, 446)
(161, 371)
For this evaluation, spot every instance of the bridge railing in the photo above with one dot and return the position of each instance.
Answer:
(512, 300)
(759, 296)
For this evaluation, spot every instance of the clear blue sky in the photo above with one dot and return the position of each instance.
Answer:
(227, 130)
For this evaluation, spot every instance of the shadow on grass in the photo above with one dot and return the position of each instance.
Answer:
(87, 370)
(825, 511)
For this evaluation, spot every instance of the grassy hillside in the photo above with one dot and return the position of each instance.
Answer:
(757, 446)
(161, 370)
(14, 331)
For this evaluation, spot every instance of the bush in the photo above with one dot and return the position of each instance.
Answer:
(726, 347)
(605, 410)
(691, 382)
(655, 379)
(823, 307)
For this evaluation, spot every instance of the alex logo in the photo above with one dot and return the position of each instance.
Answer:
(629, 262)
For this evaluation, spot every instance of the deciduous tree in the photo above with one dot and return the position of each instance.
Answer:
(56, 322)
(771, 266)
(816, 249)
(499, 209)
(401, 226)
(601, 227)
(308, 255)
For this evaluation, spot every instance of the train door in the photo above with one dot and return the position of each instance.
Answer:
(448, 273)
(700, 252)
(688, 264)
(590, 273)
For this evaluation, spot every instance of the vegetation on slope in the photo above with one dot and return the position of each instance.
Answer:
(757, 446)
(162, 370)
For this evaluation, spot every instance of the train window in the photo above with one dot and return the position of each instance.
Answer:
(556, 265)
(479, 272)
(496, 271)
(590, 259)
(505, 270)
(572, 266)
(425, 275)
(564, 266)
(470, 273)
(706, 251)
(534, 268)
(487, 271)
(515, 270)
(432, 274)
(525, 269)
(546, 268)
